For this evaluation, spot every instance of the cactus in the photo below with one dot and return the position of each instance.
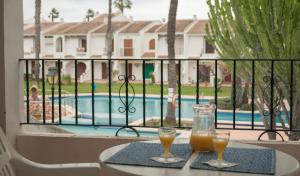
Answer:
(259, 29)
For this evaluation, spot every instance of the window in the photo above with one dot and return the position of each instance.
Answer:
(152, 44)
(209, 49)
(59, 45)
(128, 50)
(82, 45)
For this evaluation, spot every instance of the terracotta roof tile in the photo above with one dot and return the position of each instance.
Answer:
(136, 26)
(181, 25)
(61, 28)
(154, 28)
(115, 26)
(82, 28)
(149, 55)
(199, 27)
(44, 26)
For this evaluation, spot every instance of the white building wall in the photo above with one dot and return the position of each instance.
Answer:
(71, 45)
(28, 44)
(195, 46)
(49, 46)
(136, 40)
(146, 39)
(162, 47)
(97, 44)
(137, 71)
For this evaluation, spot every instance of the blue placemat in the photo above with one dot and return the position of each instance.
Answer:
(256, 161)
(140, 153)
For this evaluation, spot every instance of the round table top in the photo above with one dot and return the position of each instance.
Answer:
(285, 164)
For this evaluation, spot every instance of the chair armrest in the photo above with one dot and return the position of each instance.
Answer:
(26, 167)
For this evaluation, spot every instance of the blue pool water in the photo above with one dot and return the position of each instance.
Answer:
(153, 109)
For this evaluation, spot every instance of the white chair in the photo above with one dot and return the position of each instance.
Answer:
(11, 161)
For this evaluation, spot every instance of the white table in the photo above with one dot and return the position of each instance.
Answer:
(285, 164)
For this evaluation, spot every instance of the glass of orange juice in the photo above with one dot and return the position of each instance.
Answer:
(167, 136)
(220, 143)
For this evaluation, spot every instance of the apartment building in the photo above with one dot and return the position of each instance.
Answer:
(131, 40)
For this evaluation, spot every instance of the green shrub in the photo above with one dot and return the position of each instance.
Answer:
(66, 79)
(248, 107)
(223, 103)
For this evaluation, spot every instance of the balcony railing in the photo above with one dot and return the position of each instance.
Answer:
(272, 88)
(81, 51)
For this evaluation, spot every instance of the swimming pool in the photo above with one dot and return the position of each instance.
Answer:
(153, 105)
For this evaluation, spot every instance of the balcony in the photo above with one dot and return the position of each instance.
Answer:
(218, 93)
(62, 112)
(39, 135)
(81, 52)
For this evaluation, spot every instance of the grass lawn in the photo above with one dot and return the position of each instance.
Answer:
(138, 87)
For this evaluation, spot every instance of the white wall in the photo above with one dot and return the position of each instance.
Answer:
(11, 49)
(146, 39)
(195, 46)
(97, 44)
(136, 39)
(71, 45)
(49, 46)
(162, 45)
(28, 44)
(137, 71)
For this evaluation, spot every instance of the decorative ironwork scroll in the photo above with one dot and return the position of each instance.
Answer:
(127, 107)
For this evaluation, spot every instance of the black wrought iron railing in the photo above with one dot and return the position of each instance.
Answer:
(268, 85)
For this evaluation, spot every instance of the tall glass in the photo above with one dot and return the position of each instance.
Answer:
(220, 142)
(166, 137)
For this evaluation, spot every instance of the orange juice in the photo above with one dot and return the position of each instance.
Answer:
(220, 145)
(202, 142)
(166, 142)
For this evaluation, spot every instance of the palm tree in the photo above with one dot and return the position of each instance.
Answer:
(36, 69)
(53, 14)
(89, 14)
(109, 35)
(122, 4)
(109, 31)
(172, 78)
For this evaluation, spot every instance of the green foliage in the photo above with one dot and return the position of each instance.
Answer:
(90, 14)
(66, 79)
(248, 107)
(54, 13)
(256, 29)
(123, 4)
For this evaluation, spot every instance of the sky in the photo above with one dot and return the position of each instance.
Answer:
(75, 10)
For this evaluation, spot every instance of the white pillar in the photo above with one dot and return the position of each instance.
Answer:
(11, 72)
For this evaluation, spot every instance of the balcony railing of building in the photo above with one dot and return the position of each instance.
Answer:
(272, 90)
(81, 51)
